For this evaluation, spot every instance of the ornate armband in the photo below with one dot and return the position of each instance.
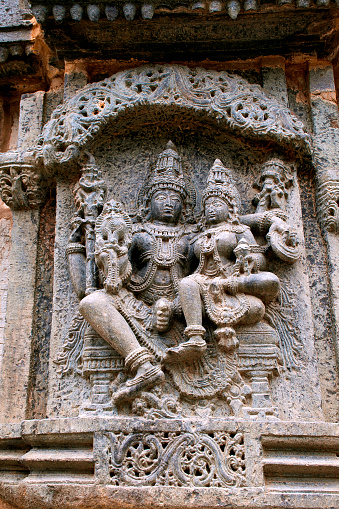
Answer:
(75, 247)
(267, 219)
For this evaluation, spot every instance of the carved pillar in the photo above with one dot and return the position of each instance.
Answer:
(273, 76)
(75, 78)
(258, 359)
(21, 189)
(325, 118)
(62, 287)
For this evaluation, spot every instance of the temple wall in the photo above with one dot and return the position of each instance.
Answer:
(102, 110)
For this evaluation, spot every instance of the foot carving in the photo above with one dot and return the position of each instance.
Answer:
(132, 387)
(188, 351)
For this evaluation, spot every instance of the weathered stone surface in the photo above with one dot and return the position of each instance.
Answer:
(38, 381)
(171, 321)
(324, 111)
(5, 249)
(19, 316)
(31, 112)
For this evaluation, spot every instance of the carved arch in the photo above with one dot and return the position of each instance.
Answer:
(229, 100)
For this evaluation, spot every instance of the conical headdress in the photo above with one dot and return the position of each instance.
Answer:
(167, 173)
(220, 183)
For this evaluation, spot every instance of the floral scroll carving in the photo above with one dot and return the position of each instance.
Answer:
(176, 459)
(231, 100)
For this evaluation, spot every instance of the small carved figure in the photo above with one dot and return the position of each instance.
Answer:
(113, 238)
(275, 181)
(230, 292)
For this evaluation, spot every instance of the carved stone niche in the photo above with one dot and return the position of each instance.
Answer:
(182, 323)
(244, 359)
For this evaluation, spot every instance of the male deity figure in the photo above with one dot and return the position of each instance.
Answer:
(159, 254)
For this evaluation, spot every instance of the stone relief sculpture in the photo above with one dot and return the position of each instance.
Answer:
(231, 292)
(181, 303)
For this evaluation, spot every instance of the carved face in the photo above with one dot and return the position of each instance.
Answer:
(216, 210)
(166, 206)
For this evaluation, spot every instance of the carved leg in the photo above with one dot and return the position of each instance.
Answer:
(190, 300)
(189, 293)
(99, 310)
(264, 285)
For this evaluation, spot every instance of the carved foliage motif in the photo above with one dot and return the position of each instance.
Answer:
(176, 459)
(328, 205)
(230, 99)
(69, 360)
(20, 186)
(281, 315)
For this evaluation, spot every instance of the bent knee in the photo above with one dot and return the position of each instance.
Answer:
(188, 282)
(272, 287)
(255, 313)
(93, 302)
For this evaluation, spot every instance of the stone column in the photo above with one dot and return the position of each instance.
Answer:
(273, 76)
(5, 248)
(22, 267)
(325, 119)
(75, 78)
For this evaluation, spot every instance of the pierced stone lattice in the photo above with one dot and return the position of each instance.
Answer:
(231, 100)
(176, 459)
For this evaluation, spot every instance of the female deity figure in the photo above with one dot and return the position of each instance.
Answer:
(230, 285)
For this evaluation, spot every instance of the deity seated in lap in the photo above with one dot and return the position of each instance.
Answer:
(174, 299)
(229, 286)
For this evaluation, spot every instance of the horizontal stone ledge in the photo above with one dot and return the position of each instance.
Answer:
(315, 466)
(58, 429)
(68, 496)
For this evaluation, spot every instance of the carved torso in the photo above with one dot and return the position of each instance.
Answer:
(160, 258)
(214, 248)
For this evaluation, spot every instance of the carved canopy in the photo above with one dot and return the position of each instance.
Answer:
(232, 102)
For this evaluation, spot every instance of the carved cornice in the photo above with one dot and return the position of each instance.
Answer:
(21, 186)
(62, 11)
(234, 104)
(328, 205)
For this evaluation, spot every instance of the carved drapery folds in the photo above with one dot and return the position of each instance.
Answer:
(21, 186)
(231, 100)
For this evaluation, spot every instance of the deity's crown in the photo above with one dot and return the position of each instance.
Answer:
(278, 169)
(168, 173)
(220, 183)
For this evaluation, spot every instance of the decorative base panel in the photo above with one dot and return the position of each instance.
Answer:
(120, 463)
